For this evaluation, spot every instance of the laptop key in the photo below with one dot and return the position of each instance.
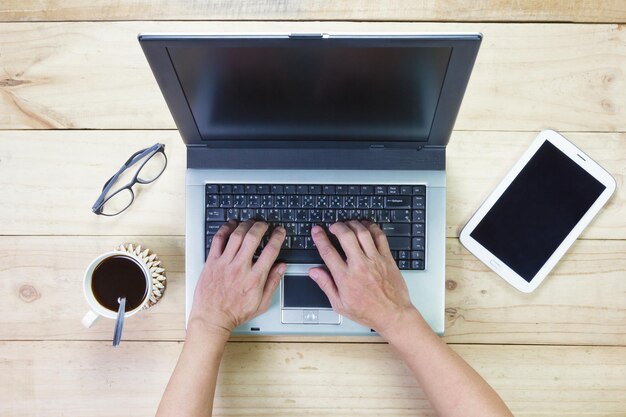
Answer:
(212, 201)
(403, 254)
(240, 201)
(302, 215)
(418, 229)
(232, 214)
(403, 264)
(212, 189)
(298, 242)
(246, 214)
(215, 214)
(403, 216)
(354, 190)
(417, 243)
(273, 215)
(419, 202)
(405, 190)
(396, 229)
(417, 254)
(398, 201)
(341, 189)
(315, 215)
(377, 202)
(367, 189)
(419, 190)
(302, 189)
(250, 189)
(280, 201)
(329, 189)
(239, 189)
(384, 216)
(393, 189)
(380, 190)
(418, 216)
(263, 189)
(213, 227)
(254, 201)
(290, 189)
(293, 201)
(300, 256)
(315, 189)
(417, 265)
(226, 189)
(226, 200)
(278, 189)
(399, 243)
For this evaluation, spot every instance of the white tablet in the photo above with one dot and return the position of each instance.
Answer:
(538, 210)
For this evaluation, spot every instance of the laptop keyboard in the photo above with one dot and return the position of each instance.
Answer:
(400, 210)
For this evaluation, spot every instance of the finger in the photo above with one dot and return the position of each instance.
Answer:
(220, 239)
(347, 240)
(380, 239)
(236, 238)
(364, 238)
(273, 279)
(271, 250)
(327, 251)
(327, 284)
(252, 240)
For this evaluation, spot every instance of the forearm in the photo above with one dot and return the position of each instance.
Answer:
(191, 388)
(452, 386)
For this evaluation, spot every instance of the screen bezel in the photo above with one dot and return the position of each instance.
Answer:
(462, 57)
(499, 266)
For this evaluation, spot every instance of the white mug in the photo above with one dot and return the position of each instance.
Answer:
(98, 310)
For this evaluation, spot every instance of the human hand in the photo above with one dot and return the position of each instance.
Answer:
(232, 289)
(367, 287)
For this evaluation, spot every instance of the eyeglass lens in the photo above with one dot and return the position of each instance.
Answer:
(152, 168)
(118, 202)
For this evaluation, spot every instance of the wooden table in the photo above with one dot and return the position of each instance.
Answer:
(77, 97)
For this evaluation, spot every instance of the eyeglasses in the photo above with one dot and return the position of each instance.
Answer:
(114, 200)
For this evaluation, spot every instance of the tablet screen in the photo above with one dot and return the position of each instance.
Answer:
(537, 211)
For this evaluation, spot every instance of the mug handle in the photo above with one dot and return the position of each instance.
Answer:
(89, 319)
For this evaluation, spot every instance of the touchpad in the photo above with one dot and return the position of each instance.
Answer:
(303, 302)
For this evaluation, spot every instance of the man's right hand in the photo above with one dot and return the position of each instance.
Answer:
(367, 287)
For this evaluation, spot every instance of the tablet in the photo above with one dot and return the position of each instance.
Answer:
(538, 210)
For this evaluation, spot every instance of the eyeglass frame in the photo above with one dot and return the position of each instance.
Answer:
(134, 158)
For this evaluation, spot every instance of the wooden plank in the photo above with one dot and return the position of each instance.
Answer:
(581, 303)
(50, 190)
(398, 10)
(91, 378)
(527, 76)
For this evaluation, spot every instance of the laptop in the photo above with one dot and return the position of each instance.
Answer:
(304, 129)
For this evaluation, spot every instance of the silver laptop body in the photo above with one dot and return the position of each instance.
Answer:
(316, 109)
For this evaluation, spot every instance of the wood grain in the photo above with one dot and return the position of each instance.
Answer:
(398, 10)
(582, 302)
(53, 178)
(260, 379)
(527, 76)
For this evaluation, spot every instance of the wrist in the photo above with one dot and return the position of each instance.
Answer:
(199, 326)
(408, 320)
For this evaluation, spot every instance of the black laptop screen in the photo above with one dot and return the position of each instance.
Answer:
(312, 92)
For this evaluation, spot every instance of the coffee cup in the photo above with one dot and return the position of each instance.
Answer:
(113, 275)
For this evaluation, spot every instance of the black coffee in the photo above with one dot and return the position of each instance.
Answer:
(119, 276)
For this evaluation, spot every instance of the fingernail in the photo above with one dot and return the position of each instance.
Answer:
(316, 229)
(314, 274)
(282, 269)
(281, 229)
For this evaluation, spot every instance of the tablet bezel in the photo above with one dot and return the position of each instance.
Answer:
(499, 266)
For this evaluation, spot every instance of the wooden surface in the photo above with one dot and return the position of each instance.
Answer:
(77, 97)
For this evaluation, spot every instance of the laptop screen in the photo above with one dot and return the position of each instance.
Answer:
(303, 91)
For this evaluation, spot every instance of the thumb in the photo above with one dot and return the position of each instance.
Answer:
(326, 283)
(273, 279)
